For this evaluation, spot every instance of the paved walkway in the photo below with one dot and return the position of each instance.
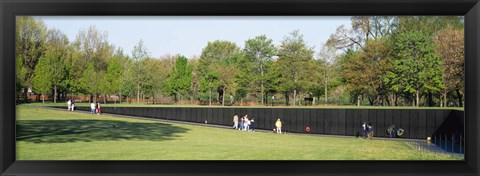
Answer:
(418, 144)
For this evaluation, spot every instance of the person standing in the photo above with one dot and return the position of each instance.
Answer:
(245, 123)
(370, 130)
(69, 104)
(364, 129)
(92, 108)
(248, 124)
(98, 108)
(252, 124)
(235, 121)
(241, 124)
(73, 106)
(278, 124)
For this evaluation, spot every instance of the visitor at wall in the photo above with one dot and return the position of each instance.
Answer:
(235, 121)
(252, 124)
(69, 104)
(364, 129)
(370, 130)
(278, 124)
(92, 108)
(241, 124)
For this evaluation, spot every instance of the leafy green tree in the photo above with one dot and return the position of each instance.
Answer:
(90, 81)
(113, 76)
(42, 80)
(214, 53)
(259, 51)
(181, 78)
(293, 55)
(365, 71)
(56, 53)
(29, 48)
(139, 54)
(417, 68)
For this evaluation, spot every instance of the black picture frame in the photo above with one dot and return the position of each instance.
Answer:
(11, 8)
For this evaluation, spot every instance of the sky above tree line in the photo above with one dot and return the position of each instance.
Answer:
(188, 35)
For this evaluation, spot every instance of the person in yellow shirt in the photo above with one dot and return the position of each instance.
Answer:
(278, 124)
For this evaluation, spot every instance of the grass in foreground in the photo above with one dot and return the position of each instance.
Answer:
(45, 134)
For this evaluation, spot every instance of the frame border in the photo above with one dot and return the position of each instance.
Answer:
(10, 8)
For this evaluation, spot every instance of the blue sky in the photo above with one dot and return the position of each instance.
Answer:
(188, 35)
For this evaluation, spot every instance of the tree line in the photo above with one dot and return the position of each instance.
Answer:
(378, 60)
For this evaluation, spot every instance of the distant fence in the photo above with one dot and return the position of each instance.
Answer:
(417, 123)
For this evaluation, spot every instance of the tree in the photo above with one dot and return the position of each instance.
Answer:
(214, 53)
(181, 77)
(365, 71)
(293, 55)
(139, 54)
(90, 81)
(260, 51)
(327, 56)
(56, 53)
(450, 46)
(416, 68)
(42, 80)
(94, 50)
(29, 47)
(113, 76)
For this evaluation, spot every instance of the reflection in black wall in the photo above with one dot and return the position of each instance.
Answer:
(416, 123)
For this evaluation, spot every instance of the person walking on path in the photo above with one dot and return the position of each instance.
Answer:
(92, 108)
(98, 108)
(69, 104)
(73, 106)
(235, 121)
(278, 124)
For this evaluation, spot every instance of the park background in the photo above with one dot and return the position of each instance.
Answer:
(376, 61)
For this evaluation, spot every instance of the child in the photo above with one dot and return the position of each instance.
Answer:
(370, 130)
(241, 124)
(252, 124)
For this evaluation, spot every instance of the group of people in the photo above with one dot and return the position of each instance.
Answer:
(367, 130)
(95, 108)
(243, 123)
(70, 105)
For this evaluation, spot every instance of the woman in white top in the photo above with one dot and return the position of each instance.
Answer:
(247, 123)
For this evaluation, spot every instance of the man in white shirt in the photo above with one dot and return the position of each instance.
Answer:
(69, 104)
(92, 108)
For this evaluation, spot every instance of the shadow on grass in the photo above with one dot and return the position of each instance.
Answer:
(64, 131)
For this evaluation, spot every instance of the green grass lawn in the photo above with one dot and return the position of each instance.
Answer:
(259, 106)
(46, 134)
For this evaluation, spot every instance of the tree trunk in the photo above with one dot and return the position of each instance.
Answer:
(445, 99)
(417, 94)
(105, 99)
(326, 92)
(286, 99)
(223, 98)
(430, 99)
(395, 98)
(55, 94)
(460, 97)
(210, 97)
(294, 96)
(25, 95)
(43, 99)
(138, 92)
